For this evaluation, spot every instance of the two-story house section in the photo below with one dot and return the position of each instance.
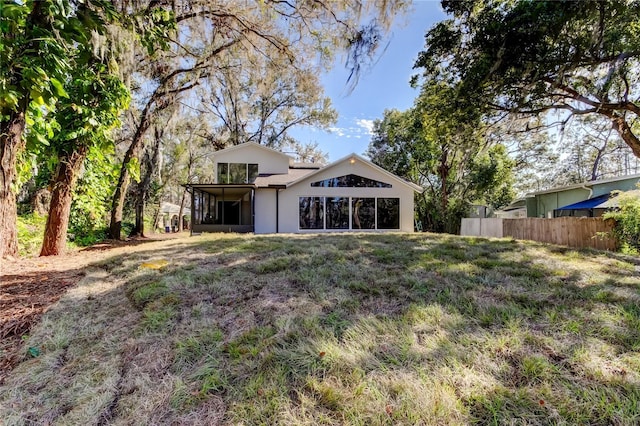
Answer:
(258, 189)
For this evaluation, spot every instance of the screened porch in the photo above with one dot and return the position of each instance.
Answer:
(222, 208)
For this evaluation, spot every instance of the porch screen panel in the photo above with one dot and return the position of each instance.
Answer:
(197, 207)
(337, 212)
(311, 211)
(388, 211)
(209, 210)
(363, 213)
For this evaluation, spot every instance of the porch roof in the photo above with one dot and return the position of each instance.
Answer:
(216, 189)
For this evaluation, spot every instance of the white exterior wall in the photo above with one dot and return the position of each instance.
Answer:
(265, 213)
(289, 199)
(268, 161)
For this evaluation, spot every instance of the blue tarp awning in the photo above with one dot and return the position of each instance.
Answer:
(587, 204)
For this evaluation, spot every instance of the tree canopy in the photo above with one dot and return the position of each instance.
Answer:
(38, 50)
(528, 57)
(441, 144)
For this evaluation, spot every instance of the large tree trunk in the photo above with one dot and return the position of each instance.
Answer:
(443, 173)
(151, 161)
(11, 144)
(184, 196)
(162, 98)
(55, 233)
(115, 227)
(625, 131)
(138, 229)
(137, 144)
(156, 218)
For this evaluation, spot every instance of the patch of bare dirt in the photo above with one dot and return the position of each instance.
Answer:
(29, 286)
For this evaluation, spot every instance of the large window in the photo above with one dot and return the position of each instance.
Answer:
(363, 213)
(350, 181)
(311, 212)
(337, 212)
(388, 212)
(349, 213)
(237, 172)
(223, 173)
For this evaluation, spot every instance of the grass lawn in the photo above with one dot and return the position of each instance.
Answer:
(357, 329)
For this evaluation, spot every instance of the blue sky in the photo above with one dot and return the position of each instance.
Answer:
(385, 86)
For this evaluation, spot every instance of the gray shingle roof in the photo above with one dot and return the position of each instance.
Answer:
(264, 180)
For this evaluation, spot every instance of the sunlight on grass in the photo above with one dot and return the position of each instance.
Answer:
(155, 264)
(358, 329)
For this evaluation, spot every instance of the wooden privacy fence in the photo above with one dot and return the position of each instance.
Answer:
(579, 232)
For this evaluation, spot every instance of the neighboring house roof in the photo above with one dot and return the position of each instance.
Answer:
(614, 201)
(584, 184)
(245, 144)
(516, 204)
(171, 209)
(354, 156)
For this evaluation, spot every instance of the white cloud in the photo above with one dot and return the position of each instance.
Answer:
(366, 125)
(363, 127)
(337, 130)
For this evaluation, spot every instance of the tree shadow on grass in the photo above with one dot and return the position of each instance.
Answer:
(25, 298)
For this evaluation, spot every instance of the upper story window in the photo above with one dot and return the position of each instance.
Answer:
(350, 181)
(237, 172)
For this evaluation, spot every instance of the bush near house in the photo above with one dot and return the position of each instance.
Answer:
(627, 217)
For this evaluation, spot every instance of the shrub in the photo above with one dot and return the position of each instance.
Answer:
(627, 227)
(30, 233)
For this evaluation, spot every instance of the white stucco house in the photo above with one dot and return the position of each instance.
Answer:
(258, 189)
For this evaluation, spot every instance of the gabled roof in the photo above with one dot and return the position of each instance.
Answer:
(354, 156)
(518, 203)
(584, 184)
(246, 144)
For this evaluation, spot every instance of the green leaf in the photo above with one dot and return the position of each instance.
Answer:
(41, 139)
(58, 88)
(71, 135)
(36, 97)
(9, 100)
(13, 11)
